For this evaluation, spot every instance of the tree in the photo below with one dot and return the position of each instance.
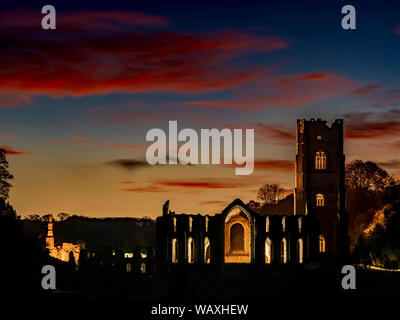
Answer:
(46, 218)
(62, 216)
(34, 217)
(254, 205)
(366, 176)
(366, 184)
(270, 194)
(5, 175)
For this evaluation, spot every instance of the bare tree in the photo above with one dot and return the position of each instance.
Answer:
(270, 194)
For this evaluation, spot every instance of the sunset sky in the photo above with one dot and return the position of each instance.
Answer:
(76, 102)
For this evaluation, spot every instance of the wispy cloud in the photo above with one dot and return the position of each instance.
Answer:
(13, 152)
(119, 55)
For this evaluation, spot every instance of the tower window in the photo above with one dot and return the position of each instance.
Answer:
(319, 138)
(320, 200)
(283, 224)
(190, 224)
(267, 224)
(300, 222)
(320, 160)
(322, 246)
(206, 224)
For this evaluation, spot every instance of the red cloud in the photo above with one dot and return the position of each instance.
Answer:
(281, 134)
(121, 57)
(24, 17)
(83, 143)
(13, 152)
(78, 138)
(284, 165)
(397, 30)
(297, 90)
(200, 185)
(144, 189)
(372, 125)
(274, 164)
(367, 89)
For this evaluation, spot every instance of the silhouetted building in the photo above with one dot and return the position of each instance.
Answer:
(317, 227)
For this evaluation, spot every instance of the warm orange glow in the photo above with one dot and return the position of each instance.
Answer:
(60, 252)
(235, 219)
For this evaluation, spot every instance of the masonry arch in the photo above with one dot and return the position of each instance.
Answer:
(238, 236)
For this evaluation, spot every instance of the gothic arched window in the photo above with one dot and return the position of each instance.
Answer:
(174, 251)
(320, 160)
(284, 250)
(190, 250)
(268, 250)
(320, 200)
(207, 256)
(322, 247)
(300, 250)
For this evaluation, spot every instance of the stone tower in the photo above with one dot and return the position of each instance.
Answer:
(50, 235)
(319, 188)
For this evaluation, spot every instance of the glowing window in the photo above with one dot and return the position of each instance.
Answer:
(300, 250)
(284, 250)
(190, 250)
(128, 267)
(190, 224)
(207, 256)
(143, 253)
(128, 255)
(268, 251)
(319, 138)
(320, 160)
(174, 220)
(320, 200)
(322, 245)
(206, 224)
(113, 252)
(267, 224)
(283, 224)
(143, 268)
(174, 251)
(300, 223)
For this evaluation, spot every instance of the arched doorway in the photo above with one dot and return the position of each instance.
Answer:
(238, 236)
